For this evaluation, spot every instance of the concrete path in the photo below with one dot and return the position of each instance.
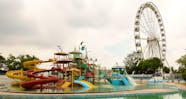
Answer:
(7, 95)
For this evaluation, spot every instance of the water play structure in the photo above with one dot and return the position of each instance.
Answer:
(69, 70)
(119, 77)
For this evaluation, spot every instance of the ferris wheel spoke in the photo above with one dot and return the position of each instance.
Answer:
(146, 22)
(146, 49)
(143, 39)
(149, 20)
(159, 50)
(155, 24)
(145, 29)
(152, 20)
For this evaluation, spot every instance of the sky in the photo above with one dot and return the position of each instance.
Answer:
(37, 27)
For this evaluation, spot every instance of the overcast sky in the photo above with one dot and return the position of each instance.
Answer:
(37, 26)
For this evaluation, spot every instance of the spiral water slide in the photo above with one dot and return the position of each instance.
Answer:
(17, 74)
(31, 65)
(39, 80)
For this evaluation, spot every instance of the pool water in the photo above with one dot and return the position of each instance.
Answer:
(100, 88)
(180, 95)
(109, 88)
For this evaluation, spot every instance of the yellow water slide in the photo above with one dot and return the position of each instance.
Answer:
(17, 74)
(88, 83)
(66, 84)
(32, 65)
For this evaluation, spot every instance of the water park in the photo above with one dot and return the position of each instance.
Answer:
(74, 74)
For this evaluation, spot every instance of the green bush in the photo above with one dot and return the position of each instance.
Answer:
(184, 75)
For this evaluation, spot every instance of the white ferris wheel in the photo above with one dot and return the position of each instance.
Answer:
(149, 32)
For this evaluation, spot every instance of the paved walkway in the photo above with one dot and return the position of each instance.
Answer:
(87, 95)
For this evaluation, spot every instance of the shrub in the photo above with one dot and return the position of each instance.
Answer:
(184, 75)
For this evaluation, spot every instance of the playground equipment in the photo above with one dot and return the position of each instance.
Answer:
(19, 74)
(119, 77)
(68, 71)
(32, 65)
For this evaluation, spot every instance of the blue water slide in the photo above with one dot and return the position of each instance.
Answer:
(82, 83)
(125, 81)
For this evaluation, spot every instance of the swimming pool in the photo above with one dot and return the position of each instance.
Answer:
(179, 95)
(101, 88)
(106, 88)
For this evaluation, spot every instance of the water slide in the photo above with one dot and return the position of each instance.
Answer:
(125, 81)
(66, 84)
(87, 85)
(90, 84)
(17, 74)
(39, 80)
(34, 84)
(84, 83)
(32, 65)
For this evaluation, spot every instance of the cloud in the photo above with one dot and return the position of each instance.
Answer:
(106, 27)
(13, 25)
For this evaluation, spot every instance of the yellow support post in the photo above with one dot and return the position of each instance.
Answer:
(72, 78)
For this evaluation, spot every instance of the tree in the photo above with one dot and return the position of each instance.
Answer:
(23, 58)
(2, 64)
(16, 63)
(150, 66)
(131, 61)
(166, 69)
(182, 67)
(182, 61)
(184, 75)
(12, 63)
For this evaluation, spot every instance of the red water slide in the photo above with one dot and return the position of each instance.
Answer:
(39, 80)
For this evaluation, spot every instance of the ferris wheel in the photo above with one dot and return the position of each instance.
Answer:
(149, 33)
